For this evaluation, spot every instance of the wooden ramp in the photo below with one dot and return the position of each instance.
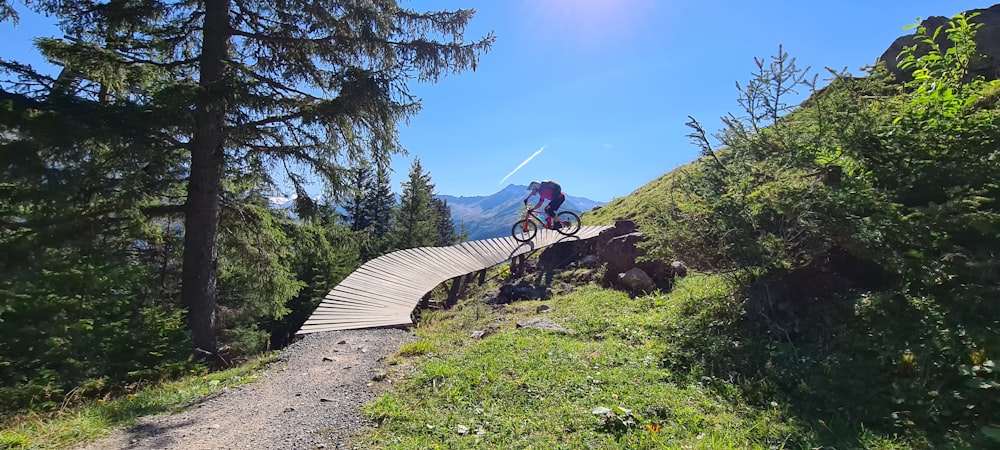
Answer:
(384, 291)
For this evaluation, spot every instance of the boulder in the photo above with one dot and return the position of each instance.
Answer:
(590, 261)
(620, 253)
(561, 255)
(636, 281)
(544, 324)
(621, 228)
(521, 291)
(679, 269)
(987, 43)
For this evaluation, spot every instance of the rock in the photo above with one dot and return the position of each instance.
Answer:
(520, 291)
(635, 280)
(679, 269)
(590, 261)
(542, 309)
(544, 324)
(987, 43)
(561, 255)
(479, 334)
(621, 228)
(619, 254)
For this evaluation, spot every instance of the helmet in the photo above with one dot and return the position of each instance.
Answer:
(534, 186)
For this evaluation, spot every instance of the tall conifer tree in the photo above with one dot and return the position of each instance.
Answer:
(445, 227)
(415, 223)
(258, 82)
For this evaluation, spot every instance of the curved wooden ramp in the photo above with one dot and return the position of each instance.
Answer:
(384, 291)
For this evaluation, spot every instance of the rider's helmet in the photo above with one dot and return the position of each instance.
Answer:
(534, 186)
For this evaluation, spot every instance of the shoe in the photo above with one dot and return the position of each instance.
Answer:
(557, 225)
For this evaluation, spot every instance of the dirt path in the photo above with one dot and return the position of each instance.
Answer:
(307, 399)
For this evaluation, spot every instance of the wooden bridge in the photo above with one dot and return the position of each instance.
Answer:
(384, 291)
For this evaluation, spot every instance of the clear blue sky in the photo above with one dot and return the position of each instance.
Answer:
(605, 86)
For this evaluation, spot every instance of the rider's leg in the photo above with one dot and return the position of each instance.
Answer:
(551, 219)
(553, 206)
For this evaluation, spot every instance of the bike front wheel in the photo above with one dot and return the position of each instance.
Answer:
(570, 223)
(524, 230)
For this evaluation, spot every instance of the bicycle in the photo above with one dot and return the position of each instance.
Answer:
(525, 229)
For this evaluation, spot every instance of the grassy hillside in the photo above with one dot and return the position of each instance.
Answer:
(845, 296)
(626, 377)
(638, 205)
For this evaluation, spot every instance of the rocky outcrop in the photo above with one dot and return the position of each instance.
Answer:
(544, 324)
(636, 280)
(619, 252)
(987, 42)
(616, 254)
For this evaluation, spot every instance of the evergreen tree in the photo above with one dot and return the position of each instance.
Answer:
(445, 227)
(85, 239)
(416, 224)
(360, 180)
(381, 201)
(258, 82)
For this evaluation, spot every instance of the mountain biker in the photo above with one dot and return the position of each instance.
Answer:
(551, 191)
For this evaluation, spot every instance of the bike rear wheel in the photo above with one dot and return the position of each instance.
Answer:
(570, 222)
(524, 230)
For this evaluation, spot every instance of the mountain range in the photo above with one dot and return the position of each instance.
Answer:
(493, 215)
(484, 217)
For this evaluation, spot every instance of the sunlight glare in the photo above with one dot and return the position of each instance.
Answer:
(594, 20)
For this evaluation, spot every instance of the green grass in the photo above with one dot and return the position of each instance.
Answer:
(638, 205)
(614, 383)
(90, 421)
(602, 387)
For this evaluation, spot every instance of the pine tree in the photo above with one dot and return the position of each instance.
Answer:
(84, 239)
(415, 223)
(304, 82)
(381, 201)
(445, 227)
(360, 180)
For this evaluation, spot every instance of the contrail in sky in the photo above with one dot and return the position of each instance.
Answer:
(521, 165)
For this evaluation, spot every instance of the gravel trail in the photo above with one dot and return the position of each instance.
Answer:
(307, 399)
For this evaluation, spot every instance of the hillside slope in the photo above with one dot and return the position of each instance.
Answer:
(640, 204)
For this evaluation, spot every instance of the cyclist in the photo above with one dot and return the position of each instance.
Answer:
(551, 191)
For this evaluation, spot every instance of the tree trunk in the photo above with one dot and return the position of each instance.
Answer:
(201, 228)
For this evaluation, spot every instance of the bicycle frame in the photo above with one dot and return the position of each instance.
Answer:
(542, 218)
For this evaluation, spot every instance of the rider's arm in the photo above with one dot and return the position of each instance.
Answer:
(540, 201)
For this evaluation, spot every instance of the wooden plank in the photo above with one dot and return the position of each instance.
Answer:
(385, 290)
(488, 251)
(403, 262)
(356, 316)
(372, 290)
(391, 265)
(328, 319)
(350, 303)
(449, 259)
(471, 249)
(385, 285)
(360, 301)
(341, 327)
(374, 299)
(352, 325)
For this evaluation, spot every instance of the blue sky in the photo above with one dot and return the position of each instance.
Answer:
(605, 86)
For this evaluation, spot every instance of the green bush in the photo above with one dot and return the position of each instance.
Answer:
(861, 230)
